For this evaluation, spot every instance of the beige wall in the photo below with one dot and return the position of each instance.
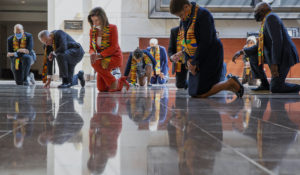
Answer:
(131, 17)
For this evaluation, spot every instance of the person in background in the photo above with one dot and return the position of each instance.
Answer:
(247, 74)
(60, 46)
(106, 54)
(140, 65)
(161, 75)
(20, 51)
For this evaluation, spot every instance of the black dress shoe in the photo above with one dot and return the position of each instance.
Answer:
(240, 93)
(64, 86)
(261, 88)
(81, 78)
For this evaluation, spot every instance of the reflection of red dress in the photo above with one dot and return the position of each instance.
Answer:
(104, 77)
(105, 129)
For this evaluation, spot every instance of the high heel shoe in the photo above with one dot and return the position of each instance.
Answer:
(124, 79)
(119, 87)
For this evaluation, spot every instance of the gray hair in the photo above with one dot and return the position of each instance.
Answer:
(18, 26)
(154, 41)
(42, 34)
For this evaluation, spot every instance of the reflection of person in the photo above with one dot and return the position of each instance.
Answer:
(274, 48)
(68, 53)
(105, 51)
(196, 149)
(161, 75)
(202, 50)
(150, 111)
(22, 117)
(140, 65)
(273, 140)
(104, 132)
(20, 50)
(62, 128)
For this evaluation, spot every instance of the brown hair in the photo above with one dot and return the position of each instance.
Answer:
(100, 13)
(176, 6)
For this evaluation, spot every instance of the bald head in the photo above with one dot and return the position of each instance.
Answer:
(261, 10)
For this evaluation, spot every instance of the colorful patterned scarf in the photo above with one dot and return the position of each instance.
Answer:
(19, 45)
(261, 42)
(133, 69)
(105, 43)
(189, 42)
(45, 64)
(157, 59)
(181, 61)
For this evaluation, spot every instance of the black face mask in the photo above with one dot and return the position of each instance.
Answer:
(258, 17)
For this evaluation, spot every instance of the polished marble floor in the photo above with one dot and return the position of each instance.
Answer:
(146, 131)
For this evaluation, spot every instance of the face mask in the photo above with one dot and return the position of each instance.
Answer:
(19, 35)
(97, 27)
(258, 17)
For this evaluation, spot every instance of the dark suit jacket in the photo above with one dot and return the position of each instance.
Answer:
(63, 42)
(29, 40)
(164, 68)
(209, 54)
(173, 45)
(128, 66)
(278, 46)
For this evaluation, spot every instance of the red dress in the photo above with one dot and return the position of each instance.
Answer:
(109, 50)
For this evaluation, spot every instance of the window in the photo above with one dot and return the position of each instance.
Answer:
(230, 9)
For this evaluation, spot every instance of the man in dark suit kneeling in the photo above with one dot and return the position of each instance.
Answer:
(68, 54)
(20, 50)
(274, 48)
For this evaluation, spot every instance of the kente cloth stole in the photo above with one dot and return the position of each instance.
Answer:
(45, 64)
(19, 45)
(157, 106)
(179, 48)
(157, 59)
(94, 42)
(261, 42)
(189, 42)
(133, 69)
(105, 43)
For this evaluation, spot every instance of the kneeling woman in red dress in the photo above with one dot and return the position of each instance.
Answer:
(105, 51)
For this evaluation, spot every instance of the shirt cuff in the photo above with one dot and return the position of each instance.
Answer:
(16, 54)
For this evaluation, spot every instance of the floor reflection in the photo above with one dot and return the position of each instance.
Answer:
(150, 112)
(104, 131)
(153, 131)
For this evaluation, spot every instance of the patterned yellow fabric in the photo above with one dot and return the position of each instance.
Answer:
(181, 61)
(189, 43)
(19, 45)
(105, 43)
(261, 42)
(45, 65)
(133, 69)
(157, 59)
(94, 35)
